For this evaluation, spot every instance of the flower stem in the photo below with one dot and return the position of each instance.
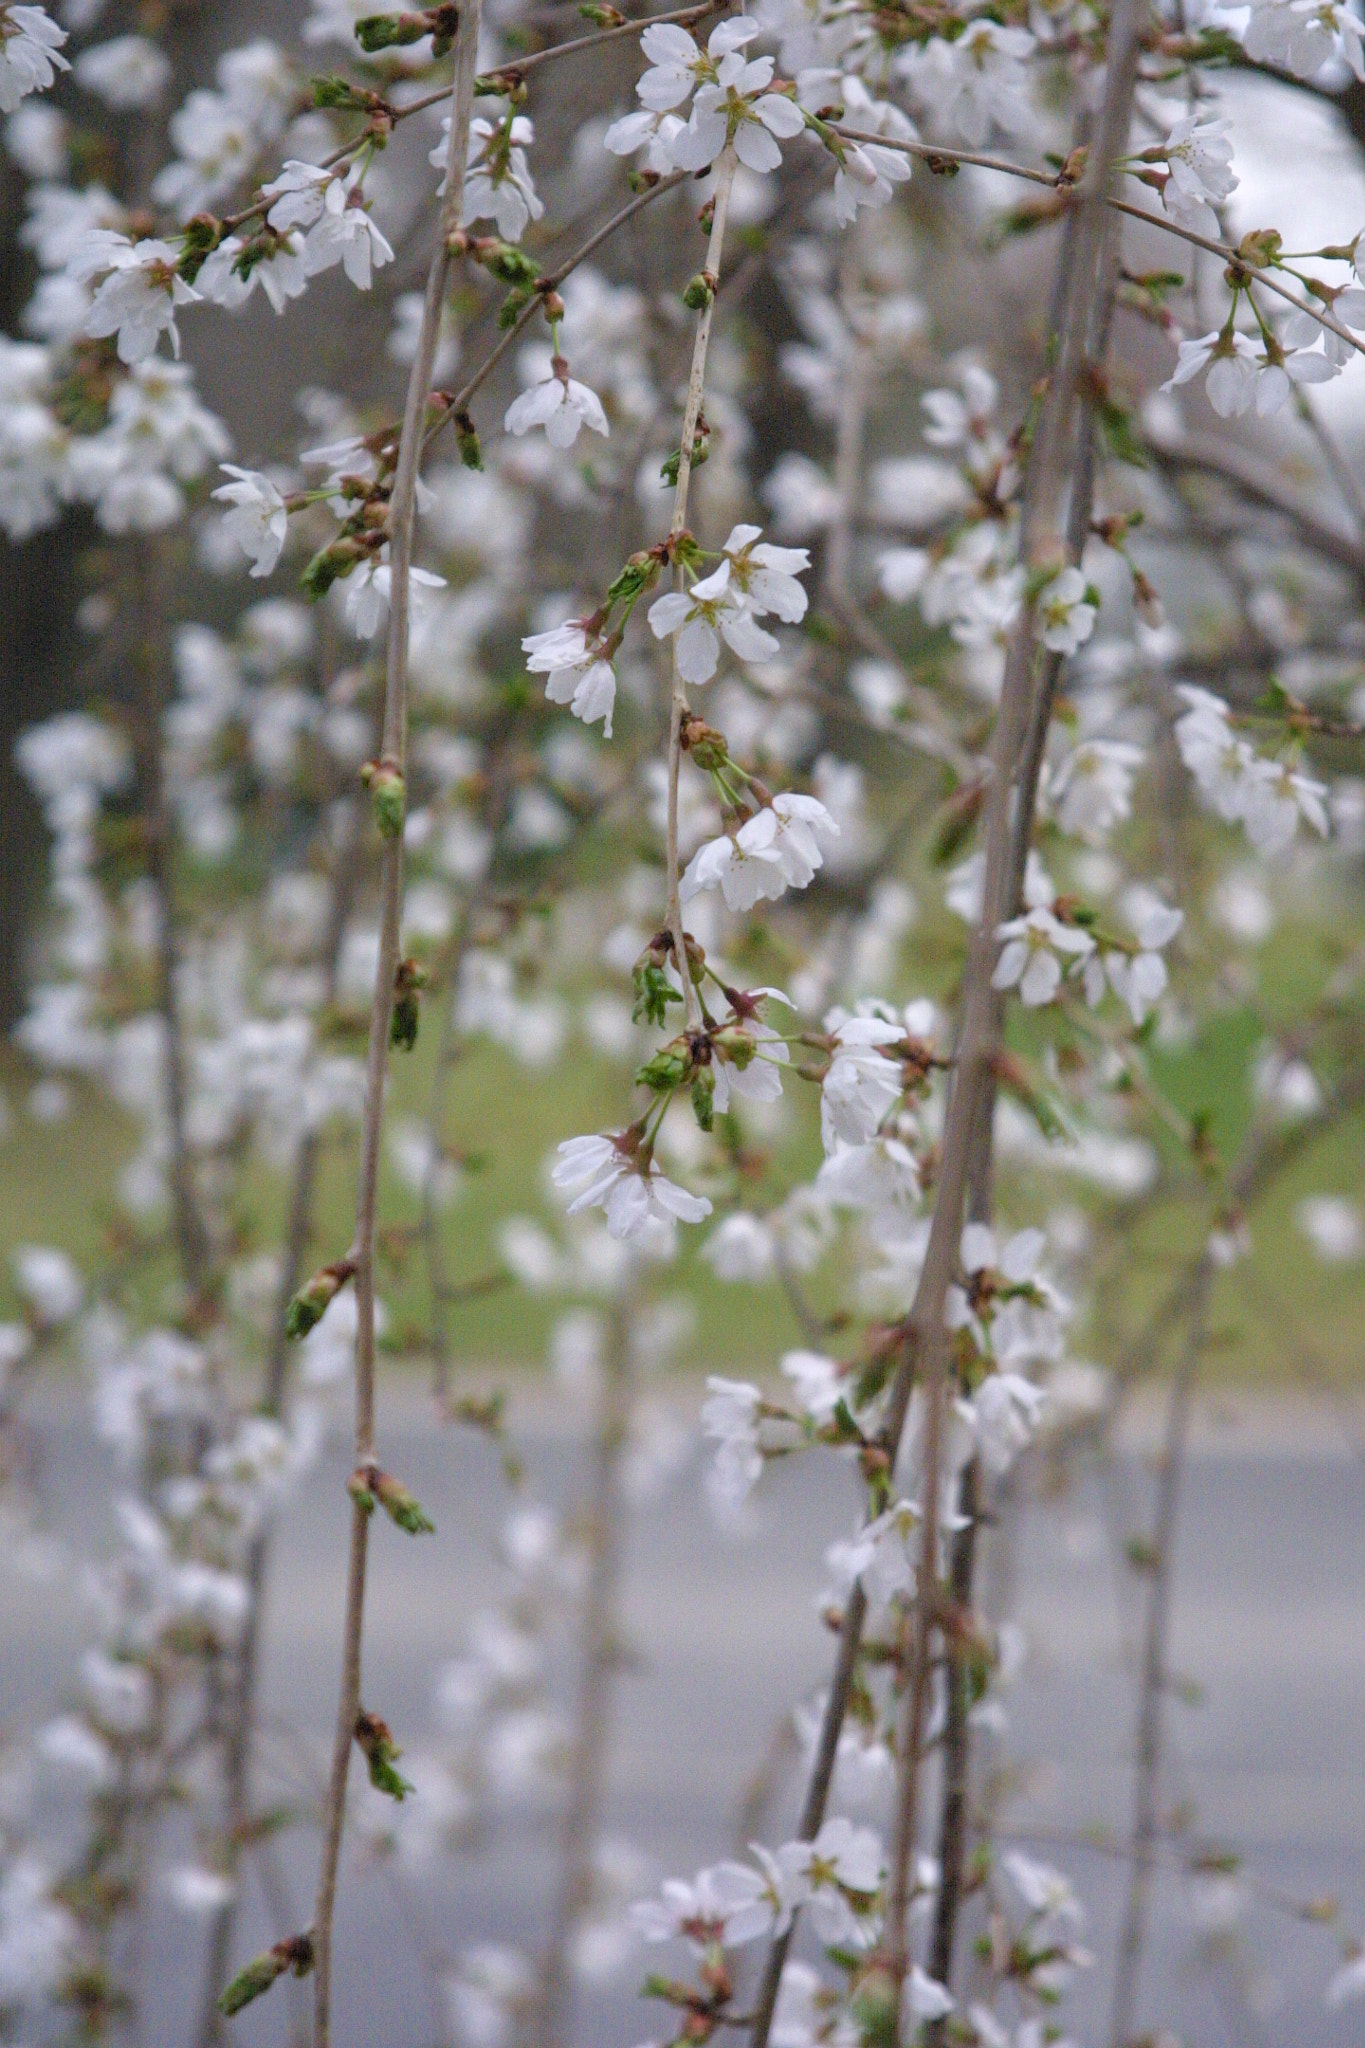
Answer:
(678, 707)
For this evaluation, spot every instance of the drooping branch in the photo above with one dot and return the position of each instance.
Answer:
(392, 763)
(726, 166)
(923, 1359)
(1161, 1551)
(600, 1656)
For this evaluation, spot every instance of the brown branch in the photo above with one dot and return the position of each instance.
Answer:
(240, 1714)
(1146, 1823)
(402, 513)
(1263, 482)
(587, 1770)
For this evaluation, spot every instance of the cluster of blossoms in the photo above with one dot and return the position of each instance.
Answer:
(1270, 799)
(218, 993)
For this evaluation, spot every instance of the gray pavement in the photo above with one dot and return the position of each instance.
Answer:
(1269, 1624)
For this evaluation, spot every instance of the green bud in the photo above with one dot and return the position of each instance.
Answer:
(668, 1069)
(202, 236)
(312, 1302)
(380, 1752)
(512, 307)
(601, 17)
(295, 1953)
(388, 795)
(709, 750)
(699, 291)
(330, 564)
(509, 263)
(376, 32)
(403, 1509)
(467, 440)
(330, 91)
(403, 1023)
(358, 1486)
(876, 2008)
(956, 820)
(736, 1046)
(409, 979)
(653, 993)
(704, 1098)
(638, 574)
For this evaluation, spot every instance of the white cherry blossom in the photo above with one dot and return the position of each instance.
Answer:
(779, 848)
(1230, 360)
(725, 1904)
(498, 181)
(344, 233)
(766, 576)
(677, 65)
(604, 1173)
(1139, 978)
(139, 292)
(30, 54)
(1198, 156)
(862, 1086)
(729, 1419)
(561, 405)
(128, 73)
(258, 520)
(579, 674)
(880, 1557)
(1038, 948)
(1066, 617)
(713, 609)
(1092, 791)
(741, 1247)
(737, 109)
(977, 81)
(366, 599)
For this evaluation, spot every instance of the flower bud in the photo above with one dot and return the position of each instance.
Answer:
(877, 2008)
(312, 1302)
(467, 441)
(331, 563)
(409, 979)
(376, 32)
(735, 1046)
(381, 1753)
(959, 814)
(653, 990)
(704, 1098)
(505, 261)
(706, 746)
(639, 573)
(341, 95)
(403, 1509)
(294, 1953)
(385, 784)
(668, 1069)
(601, 17)
(699, 291)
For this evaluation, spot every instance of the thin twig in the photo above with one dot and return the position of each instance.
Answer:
(726, 165)
(551, 282)
(240, 1713)
(1060, 449)
(1256, 272)
(402, 511)
(1145, 1818)
(587, 1770)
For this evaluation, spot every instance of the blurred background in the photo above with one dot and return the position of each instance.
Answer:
(1238, 1529)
